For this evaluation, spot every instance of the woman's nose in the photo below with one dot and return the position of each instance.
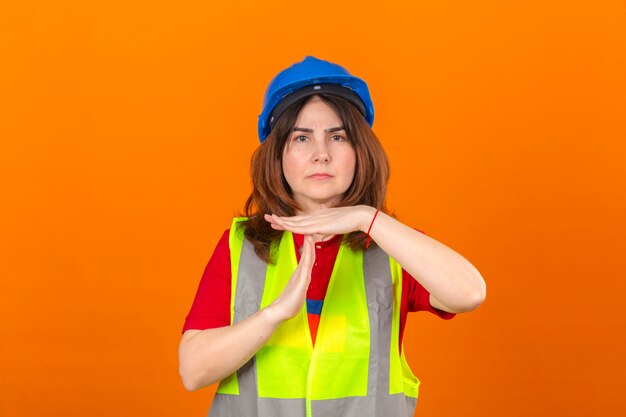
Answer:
(321, 156)
(321, 152)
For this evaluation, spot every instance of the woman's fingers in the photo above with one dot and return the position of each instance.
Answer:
(301, 222)
(290, 301)
(327, 221)
(307, 258)
(281, 223)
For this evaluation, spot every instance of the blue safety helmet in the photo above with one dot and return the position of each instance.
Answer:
(309, 77)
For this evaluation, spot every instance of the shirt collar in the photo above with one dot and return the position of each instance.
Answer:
(298, 240)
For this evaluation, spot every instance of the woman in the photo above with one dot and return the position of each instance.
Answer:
(309, 292)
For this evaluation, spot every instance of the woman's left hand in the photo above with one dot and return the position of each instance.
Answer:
(327, 221)
(454, 284)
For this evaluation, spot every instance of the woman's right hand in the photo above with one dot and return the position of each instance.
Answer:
(207, 356)
(290, 301)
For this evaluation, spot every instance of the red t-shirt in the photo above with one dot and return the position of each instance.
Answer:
(211, 306)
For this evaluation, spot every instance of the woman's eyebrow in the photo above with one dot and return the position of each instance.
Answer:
(330, 129)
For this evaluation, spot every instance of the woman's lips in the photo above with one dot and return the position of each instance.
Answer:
(320, 176)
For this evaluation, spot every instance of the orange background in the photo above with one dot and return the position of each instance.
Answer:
(126, 132)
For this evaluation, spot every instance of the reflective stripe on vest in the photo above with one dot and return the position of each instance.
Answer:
(354, 370)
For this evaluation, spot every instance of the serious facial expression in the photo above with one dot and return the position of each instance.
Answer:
(318, 159)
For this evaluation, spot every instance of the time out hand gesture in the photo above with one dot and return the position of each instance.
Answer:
(290, 301)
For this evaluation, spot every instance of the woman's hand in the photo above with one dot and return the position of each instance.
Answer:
(207, 356)
(454, 284)
(290, 301)
(328, 221)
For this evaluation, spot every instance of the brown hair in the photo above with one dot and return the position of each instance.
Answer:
(271, 193)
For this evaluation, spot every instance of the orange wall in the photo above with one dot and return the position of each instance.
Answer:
(126, 130)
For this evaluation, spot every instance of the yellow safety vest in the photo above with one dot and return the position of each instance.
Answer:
(354, 369)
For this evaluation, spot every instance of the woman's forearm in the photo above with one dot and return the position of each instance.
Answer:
(447, 275)
(207, 356)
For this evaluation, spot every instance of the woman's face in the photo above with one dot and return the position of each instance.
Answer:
(318, 159)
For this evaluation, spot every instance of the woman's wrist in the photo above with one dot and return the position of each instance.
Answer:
(271, 316)
(366, 217)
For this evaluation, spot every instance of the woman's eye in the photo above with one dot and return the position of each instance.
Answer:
(300, 139)
(337, 137)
